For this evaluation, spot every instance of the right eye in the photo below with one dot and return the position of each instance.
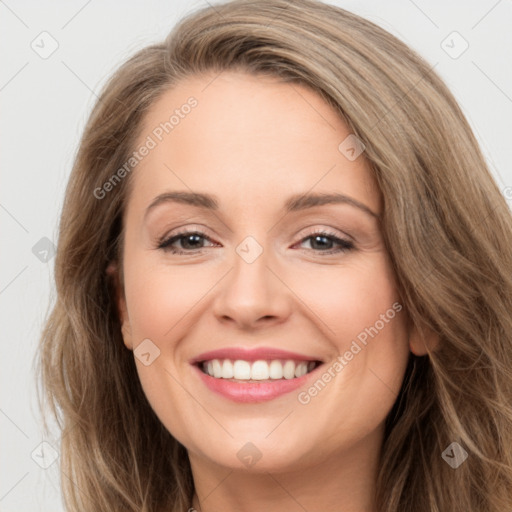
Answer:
(190, 237)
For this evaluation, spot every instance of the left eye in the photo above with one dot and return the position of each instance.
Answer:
(344, 245)
(190, 242)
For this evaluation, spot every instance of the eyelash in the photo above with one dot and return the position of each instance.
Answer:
(165, 244)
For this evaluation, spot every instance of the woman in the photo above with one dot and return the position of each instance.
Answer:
(261, 369)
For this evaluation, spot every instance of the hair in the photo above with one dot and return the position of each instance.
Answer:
(446, 226)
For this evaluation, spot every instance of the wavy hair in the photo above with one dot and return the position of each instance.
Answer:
(447, 228)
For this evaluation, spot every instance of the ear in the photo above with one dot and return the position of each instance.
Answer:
(421, 343)
(113, 272)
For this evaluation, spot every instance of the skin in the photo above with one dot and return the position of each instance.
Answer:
(252, 142)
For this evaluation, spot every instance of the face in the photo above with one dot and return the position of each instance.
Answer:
(256, 284)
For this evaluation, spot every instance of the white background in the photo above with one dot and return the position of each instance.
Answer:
(45, 103)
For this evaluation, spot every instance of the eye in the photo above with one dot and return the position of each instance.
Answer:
(191, 242)
(323, 238)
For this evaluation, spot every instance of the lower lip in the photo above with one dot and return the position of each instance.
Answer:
(252, 391)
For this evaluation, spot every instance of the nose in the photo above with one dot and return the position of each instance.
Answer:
(253, 294)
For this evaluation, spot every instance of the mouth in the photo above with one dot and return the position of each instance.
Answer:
(261, 370)
(254, 375)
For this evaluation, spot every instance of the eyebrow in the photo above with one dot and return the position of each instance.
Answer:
(295, 203)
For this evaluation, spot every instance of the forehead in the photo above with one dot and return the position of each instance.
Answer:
(244, 136)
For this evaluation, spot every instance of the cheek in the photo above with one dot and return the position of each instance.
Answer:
(361, 315)
(160, 298)
(347, 299)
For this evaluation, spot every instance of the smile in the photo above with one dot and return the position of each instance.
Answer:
(259, 370)
(260, 374)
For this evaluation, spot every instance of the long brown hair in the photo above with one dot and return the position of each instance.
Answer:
(447, 228)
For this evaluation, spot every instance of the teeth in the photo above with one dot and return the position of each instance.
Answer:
(217, 368)
(276, 370)
(257, 370)
(242, 370)
(260, 370)
(301, 369)
(227, 369)
(289, 370)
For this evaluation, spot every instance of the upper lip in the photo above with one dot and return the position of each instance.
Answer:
(255, 354)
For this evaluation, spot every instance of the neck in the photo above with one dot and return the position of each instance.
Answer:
(343, 481)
